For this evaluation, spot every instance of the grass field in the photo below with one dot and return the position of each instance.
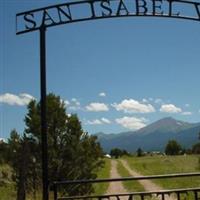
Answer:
(7, 186)
(144, 165)
(8, 191)
(101, 188)
(167, 165)
(132, 186)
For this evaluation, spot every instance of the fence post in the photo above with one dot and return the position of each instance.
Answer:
(55, 191)
(195, 195)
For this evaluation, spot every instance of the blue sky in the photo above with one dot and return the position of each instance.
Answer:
(116, 74)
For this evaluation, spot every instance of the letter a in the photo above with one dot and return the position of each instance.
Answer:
(122, 7)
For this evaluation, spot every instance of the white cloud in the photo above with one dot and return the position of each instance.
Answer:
(144, 100)
(158, 101)
(102, 94)
(75, 101)
(105, 120)
(133, 106)
(150, 99)
(97, 107)
(170, 108)
(186, 113)
(74, 108)
(132, 123)
(74, 104)
(18, 100)
(67, 103)
(98, 121)
(94, 122)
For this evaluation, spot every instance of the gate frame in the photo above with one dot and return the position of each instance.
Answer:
(43, 28)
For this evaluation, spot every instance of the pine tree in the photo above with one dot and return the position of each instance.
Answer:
(73, 154)
(173, 148)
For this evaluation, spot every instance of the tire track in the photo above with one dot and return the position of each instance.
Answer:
(115, 187)
(147, 184)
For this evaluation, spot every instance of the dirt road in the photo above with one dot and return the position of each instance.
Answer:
(147, 184)
(117, 187)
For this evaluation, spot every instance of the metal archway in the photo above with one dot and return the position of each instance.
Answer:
(43, 18)
(102, 9)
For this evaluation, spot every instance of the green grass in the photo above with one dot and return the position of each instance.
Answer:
(101, 188)
(39, 196)
(8, 190)
(144, 165)
(131, 186)
(168, 165)
(7, 186)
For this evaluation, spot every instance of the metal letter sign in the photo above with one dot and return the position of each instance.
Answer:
(101, 9)
(40, 19)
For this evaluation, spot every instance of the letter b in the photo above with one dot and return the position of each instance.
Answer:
(141, 7)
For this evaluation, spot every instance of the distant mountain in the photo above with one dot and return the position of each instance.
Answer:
(164, 125)
(153, 137)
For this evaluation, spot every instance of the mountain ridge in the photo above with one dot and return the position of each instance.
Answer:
(153, 136)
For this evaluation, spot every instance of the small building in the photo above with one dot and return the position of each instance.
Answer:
(107, 156)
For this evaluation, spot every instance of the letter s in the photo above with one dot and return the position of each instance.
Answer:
(106, 7)
(31, 23)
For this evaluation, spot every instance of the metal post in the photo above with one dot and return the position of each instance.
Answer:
(43, 113)
(178, 196)
(55, 192)
(196, 195)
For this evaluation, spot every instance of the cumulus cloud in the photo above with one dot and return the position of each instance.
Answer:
(105, 120)
(66, 102)
(186, 113)
(133, 106)
(73, 104)
(18, 100)
(144, 100)
(102, 94)
(158, 101)
(76, 102)
(150, 99)
(98, 121)
(74, 108)
(94, 122)
(170, 108)
(97, 107)
(131, 123)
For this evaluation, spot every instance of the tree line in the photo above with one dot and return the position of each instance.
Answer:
(172, 148)
(72, 153)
